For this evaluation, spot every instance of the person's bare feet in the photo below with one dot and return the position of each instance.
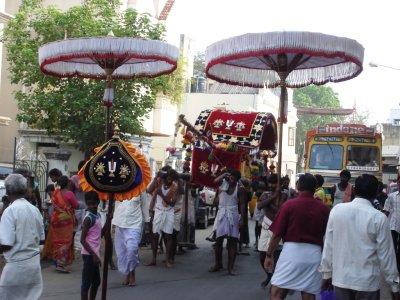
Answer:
(62, 269)
(215, 268)
(169, 264)
(132, 279)
(126, 280)
(232, 273)
(152, 263)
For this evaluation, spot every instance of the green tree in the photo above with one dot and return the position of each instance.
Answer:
(199, 64)
(199, 70)
(176, 86)
(360, 117)
(72, 108)
(313, 96)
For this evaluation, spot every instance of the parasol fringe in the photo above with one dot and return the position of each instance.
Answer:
(329, 59)
(147, 58)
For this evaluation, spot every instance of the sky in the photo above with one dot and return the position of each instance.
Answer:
(374, 24)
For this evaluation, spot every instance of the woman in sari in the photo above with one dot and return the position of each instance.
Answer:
(62, 223)
(47, 252)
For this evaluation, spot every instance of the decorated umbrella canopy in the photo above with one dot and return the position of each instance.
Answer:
(115, 171)
(283, 59)
(108, 58)
(247, 130)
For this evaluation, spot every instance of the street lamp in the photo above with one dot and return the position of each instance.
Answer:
(375, 65)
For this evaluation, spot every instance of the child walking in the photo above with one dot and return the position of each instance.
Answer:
(90, 240)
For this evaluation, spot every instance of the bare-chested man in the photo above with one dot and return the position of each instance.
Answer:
(228, 221)
(163, 221)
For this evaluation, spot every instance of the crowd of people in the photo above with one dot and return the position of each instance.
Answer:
(303, 244)
(68, 211)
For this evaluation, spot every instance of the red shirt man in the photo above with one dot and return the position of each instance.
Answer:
(300, 220)
(301, 223)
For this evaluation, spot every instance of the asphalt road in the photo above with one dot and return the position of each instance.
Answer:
(187, 279)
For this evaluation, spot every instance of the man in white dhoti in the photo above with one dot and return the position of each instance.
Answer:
(21, 233)
(164, 189)
(128, 221)
(180, 195)
(228, 221)
(301, 223)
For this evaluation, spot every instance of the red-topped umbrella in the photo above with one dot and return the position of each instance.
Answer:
(116, 171)
(108, 58)
(128, 58)
(283, 59)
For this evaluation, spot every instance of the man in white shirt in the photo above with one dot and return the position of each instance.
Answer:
(128, 221)
(21, 233)
(358, 247)
(392, 207)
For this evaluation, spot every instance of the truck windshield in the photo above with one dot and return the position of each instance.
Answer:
(362, 158)
(326, 157)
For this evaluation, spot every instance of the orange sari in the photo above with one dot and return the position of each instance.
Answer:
(48, 252)
(62, 225)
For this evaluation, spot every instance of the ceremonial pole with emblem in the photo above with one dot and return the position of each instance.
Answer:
(117, 171)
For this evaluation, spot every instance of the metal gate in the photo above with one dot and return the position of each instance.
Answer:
(38, 169)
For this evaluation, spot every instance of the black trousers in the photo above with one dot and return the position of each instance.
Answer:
(396, 240)
(347, 294)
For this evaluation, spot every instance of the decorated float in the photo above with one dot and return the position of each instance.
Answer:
(233, 139)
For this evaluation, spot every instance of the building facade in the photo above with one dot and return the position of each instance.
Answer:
(24, 143)
(19, 141)
(391, 146)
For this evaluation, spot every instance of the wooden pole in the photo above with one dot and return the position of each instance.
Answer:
(200, 136)
(283, 72)
(107, 101)
(186, 219)
(182, 119)
(108, 124)
(110, 211)
(281, 116)
(108, 245)
(186, 231)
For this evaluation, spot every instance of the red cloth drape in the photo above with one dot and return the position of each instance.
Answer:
(205, 170)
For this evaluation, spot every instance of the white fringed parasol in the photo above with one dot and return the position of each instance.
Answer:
(108, 58)
(89, 57)
(284, 59)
